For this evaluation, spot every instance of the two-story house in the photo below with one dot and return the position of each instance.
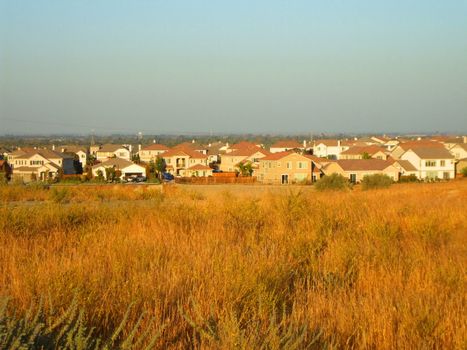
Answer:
(182, 162)
(151, 152)
(112, 151)
(41, 164)
(286, 145)
(288, 167)
(431, 162)
(330, 148)
(250, 154)
(80, 152)
(362, 152)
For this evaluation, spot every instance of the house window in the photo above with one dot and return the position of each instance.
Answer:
(442, 163)
(430, 163)
(289, 165)
(446, 175)
(301, 165)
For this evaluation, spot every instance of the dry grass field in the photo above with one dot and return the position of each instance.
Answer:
(237, 267)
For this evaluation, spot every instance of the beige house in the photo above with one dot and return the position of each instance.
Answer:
(127, 168)
(431, 162)
(151, 152)
(178, 161)
(402, 147)
(288, 167)
(360, 152)
(198, 170)
(286, 145)
(231, 160)
(40, 164)
(459, 151)
(356, 169)
(108, 151)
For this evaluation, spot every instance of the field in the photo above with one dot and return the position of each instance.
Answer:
(244, 267)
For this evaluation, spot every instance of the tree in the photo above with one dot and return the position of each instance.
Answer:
(246, 169)
(159, 166)
(464, 172)
(135, 158)
(77, 165)
(366, 155)
(100, 175)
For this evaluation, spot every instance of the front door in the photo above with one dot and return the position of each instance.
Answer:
(284, 179)
(353, 178)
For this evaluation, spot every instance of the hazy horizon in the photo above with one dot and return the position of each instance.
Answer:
(230, 68)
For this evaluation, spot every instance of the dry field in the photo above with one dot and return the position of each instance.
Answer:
(236, 267)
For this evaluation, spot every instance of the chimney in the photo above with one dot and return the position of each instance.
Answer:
(130, 148)
(154, 141)
(210, 145)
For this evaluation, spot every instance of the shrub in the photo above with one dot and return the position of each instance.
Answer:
(464, 171)
(333, 182)
(376, 181)
(408, 178)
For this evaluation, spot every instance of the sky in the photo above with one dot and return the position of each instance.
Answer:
(233, 66)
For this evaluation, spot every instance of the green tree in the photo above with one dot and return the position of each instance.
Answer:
(159, 166)
(464, 172)
(366, 155)
(100, 175)
(246, 169)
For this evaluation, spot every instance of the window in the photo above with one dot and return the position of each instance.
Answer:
(430, 163)
(289, 165)
(442, 163)
(301, 165)
(446, 175)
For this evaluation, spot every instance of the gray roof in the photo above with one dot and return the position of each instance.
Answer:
(406, 165)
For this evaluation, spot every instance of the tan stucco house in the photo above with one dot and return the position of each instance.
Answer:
(356, 169)
(151, 152)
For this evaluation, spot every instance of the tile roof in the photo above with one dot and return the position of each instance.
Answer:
(277, 156)
(199, 167)
(287, 144)
(363, 164)
(116, 162)
(432, 152)
(185, 152)
(358, 150)
(248, 151)
(406, 165)
(110, 148)
(155, 147)
(422, 143)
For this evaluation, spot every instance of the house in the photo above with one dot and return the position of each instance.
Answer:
(405, 167)
(79, 151)
(459, 150)
(113, 151)
(215, 149)
(288, 167)
(431, 162)
(177, 161)
(242, 145)
(126, 167)
(404, 146)
(330, 148)
(362, 152)
(286, 145)
(193, 145)
(41, 164)
(356, 169)
(249, 154)
(198, 170)
(4, 152)
(151, 152)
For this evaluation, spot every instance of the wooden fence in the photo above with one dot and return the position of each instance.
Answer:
(211, 180)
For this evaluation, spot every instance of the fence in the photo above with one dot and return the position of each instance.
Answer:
(211, 180)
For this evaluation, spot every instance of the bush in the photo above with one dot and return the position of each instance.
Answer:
(408, 178)
(464, 171)
(333, 182)
(376, 181)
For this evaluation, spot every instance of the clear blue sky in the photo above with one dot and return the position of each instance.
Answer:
(233, 66)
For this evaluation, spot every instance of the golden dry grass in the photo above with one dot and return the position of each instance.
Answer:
(236, 268)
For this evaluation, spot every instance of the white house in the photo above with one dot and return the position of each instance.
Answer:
(127, 168)
(431, 162)
(330, 148)
(286, 145)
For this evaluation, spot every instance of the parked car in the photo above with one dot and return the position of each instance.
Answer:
(140, 179)
(167, 176)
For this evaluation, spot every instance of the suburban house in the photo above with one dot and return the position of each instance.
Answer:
(198, 170)
(242, 145)
(402, 147)
(126, 167)
(362, 152)
(330, 148)
(193, 145)
(356, 169)
(286, 145)
(459, 151)
(178, 161)
(41, 164)
(405, 167)
(80, 152)
(431, 162)
(288, 167)
(215, 149)
(151, 152)
(250, 154)
(113, 151)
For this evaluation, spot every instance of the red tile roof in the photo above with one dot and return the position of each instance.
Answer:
(155, 147)
(287, 144)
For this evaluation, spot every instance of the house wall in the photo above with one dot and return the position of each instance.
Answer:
(297, 167)
(321, 150)
(148, 155)
(458, 152)
(119, 153)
